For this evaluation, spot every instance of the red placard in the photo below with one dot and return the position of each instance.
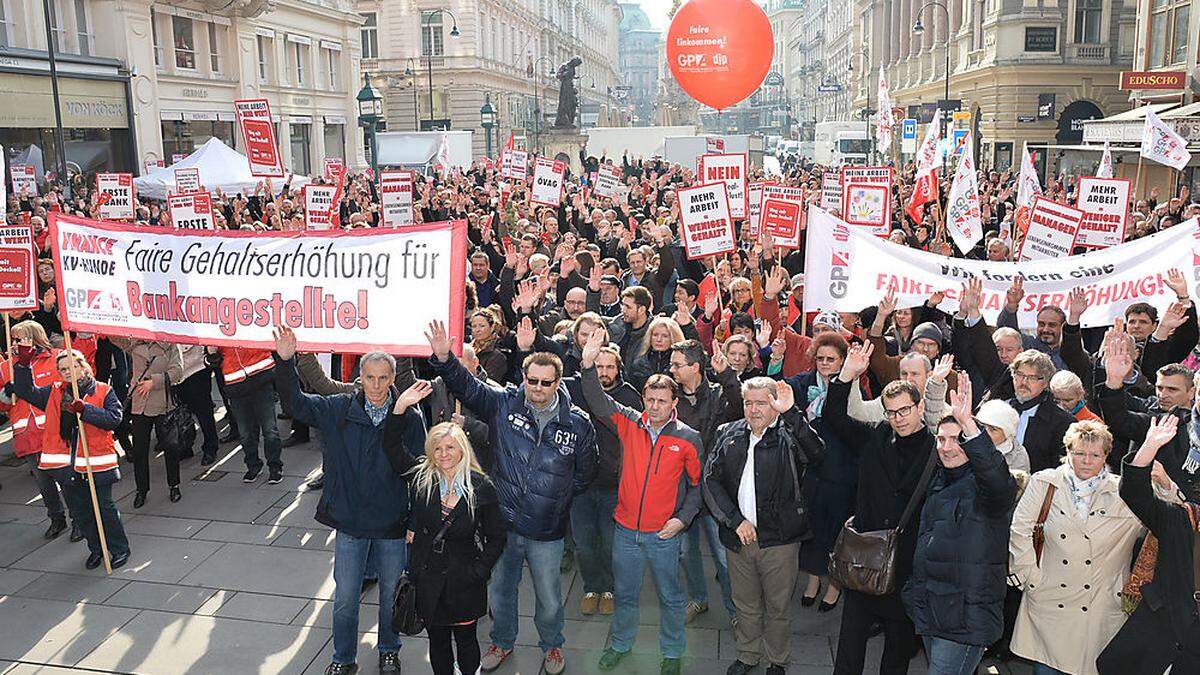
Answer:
(262, 149)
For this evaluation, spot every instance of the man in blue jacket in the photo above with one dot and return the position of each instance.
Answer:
(365, 499)
(545, 454)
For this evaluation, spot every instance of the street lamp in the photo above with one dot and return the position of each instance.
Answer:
(408, 72)
(370, 111)
(487, 120)
(538, 112)
(426, 22)
(919, 29)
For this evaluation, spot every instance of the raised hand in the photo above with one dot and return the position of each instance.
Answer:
(784, 397)
(941, 370)
(594, 277)
(591, 349)
(1118, 362)
(525, 334)
(1176, 282)
(439, 340)
(972, 294)
(960, 405)
(413, 395)
(1076, 305)
(682, 316)
(858, 359)
(763, 335)
(1161, 431)
(1014, 294)
(285, 342)
(886, 306)
(719, 362)
(776, 282)
(710, 305)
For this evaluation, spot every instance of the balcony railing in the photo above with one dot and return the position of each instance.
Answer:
(1089, 52)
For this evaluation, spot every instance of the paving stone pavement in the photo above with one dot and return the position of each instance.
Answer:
(239, 579)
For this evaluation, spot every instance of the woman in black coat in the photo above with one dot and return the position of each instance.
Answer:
(456, 535)
(1164, 630)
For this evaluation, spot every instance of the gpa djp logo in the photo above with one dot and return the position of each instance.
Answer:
(92, 300)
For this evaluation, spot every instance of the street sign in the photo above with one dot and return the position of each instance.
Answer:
(908, 136)
(774, 79)
(826, 88)
(1026, 119)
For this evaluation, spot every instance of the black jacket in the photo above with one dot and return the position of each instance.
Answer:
(716, 403)
(452, 584)
(1164, 630)
(1129, 425)
(1156, 353)
(1044, 434)
(608, 445)
(781, 513)
(889, 469)
(957, 587)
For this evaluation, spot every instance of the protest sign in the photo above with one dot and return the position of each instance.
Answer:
(514, 164)
(333, 168)
(831, 191)
(714, 146)
(18, 281)
(262, 150)
(846, 269)
(191, 211)
(320, 202)
(178, 157)
(396, 197)
(608, 179)
(340, 291)
(964, 217)
(548, 182)
(867, 197)
(114, 196)
(24, 180)
(150, 165)
(731, 170)
(187, 181)
(754, 193)
(781, 220)
(1052, 230)
(3, 190)
(707, 227)
(1105, 206)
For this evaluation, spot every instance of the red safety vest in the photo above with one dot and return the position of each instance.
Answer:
(28, 420)
(56, 454)
(239, 364)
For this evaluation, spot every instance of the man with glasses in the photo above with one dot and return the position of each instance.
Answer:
(545, 453)
(892, 456)
(1042, 424)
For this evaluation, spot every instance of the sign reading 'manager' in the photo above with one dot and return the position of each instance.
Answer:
(339, 290)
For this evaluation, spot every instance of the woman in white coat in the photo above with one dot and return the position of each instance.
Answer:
(1072, 602)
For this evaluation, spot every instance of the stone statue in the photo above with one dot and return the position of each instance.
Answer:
(568, 95)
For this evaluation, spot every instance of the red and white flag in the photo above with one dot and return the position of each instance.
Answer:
(442, 162)
(1105, 170)
(884, 119)
(925, 188)
(1028, 187)
(1161, 144)
(963, 216)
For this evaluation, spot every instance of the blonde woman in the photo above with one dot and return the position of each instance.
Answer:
(1072, 602)
(654, 354)
(450, 493)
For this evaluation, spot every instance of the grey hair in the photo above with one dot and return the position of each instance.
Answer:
(372, 357)
(1036, 360)
(918, 356)
(1005, 331)
(1066, 381)
(758, 383)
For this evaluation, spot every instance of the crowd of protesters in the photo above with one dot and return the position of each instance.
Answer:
(616, 403)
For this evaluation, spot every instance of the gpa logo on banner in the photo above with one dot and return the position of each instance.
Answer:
(839, 265)
(86, 298)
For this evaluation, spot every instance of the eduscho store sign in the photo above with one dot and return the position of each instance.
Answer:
(1172, 80)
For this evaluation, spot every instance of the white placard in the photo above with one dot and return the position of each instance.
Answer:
(192, 211)
(1105, 206)
(24, 180)
(187, 181)
(1052, 231)
(707, 227)
(319, 206)
(396, 194)
(754, 194)
(729, 169)
(831, 191)
(548, 182)
(514, 164)
(867, 197)
(114, 196)
(608, 179)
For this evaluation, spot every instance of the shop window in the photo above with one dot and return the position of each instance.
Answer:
(81, 28)
(184, 41)
(368, 35)
(1168, 31)
(300, 149)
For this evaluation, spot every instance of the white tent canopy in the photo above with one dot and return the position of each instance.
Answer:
(220, 167)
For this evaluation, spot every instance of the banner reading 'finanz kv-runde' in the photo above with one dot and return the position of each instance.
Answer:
(346, 291)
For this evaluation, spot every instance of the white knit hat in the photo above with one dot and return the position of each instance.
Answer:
(1000, 415)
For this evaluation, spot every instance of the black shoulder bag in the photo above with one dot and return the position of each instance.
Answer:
(405, 618)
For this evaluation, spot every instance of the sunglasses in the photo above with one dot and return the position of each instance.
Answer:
(541, 383)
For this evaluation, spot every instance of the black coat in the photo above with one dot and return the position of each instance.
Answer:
(1044, 434)
(608, 445)
(1164, 630)
(452, 584)
(650, 363)
(957, 587)
(781, 513)
(1130, 425)
(716, 403)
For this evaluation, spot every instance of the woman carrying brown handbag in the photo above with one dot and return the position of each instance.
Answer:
(1072, 602)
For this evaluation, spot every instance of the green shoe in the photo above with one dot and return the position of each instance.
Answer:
(611, 657)
(671, 666)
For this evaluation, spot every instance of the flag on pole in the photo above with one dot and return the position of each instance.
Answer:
(883, 119)
(443, 155)
(511, 144)
(1028, 187)
(925, 187)
(1161, 144)
(964, 218)
(1105, 170)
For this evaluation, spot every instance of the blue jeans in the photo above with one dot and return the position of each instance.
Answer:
(693, 564)
(592, 527)
(544, 558)
(1043, 669)
(632, 550)
(255, 415)
(350, 559)
(79, 501)
(952, 658)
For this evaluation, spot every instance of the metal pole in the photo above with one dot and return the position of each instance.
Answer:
(429, 67)
(371, 129)
(59, 142)
(870, 131)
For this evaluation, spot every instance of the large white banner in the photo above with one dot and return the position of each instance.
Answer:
(548, 182)
(1052, 231)
(847, 269)
(346, 291)
(707, 227)
(191, 211)
(1105, 206)
(731, 170)
(396, 197)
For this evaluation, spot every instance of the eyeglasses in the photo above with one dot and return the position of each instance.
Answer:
(541, 383)
(898, 412)
(1025, 377)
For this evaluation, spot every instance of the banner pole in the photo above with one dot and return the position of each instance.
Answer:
(86, 456)
(8, 341)
(1137, 181)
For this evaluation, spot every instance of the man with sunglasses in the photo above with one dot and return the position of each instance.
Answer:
(545, 454)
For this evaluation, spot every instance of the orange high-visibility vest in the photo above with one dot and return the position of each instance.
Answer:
(28, 420)
(238, 364)
(56, 454)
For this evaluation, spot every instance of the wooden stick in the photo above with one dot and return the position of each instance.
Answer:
(1137, 181)
(8, 341)
(87, 457)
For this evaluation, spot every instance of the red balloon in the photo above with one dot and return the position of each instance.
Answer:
(720, 50)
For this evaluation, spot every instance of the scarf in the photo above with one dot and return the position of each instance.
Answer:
(1005, 447)
(1147, 559)
(1024, 406)
(456, 486)
(1192, 463)
(1082, 490)
(1078, 407)
(816, 397)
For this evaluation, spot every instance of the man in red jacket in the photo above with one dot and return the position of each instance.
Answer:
(654, 504)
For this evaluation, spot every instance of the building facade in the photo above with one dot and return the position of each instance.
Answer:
(1026, 70)
(640, 46)
(506, 53)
